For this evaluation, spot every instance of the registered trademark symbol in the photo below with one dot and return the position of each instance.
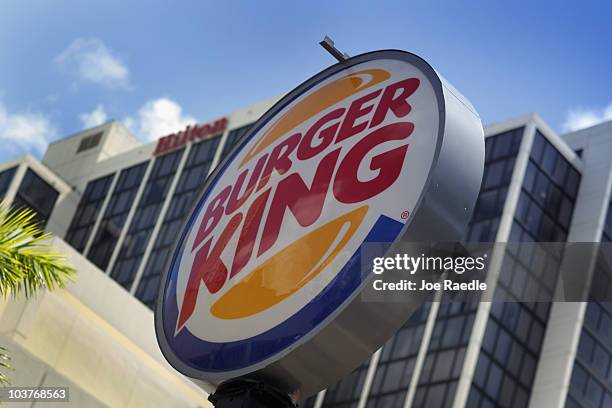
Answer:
(405, 215)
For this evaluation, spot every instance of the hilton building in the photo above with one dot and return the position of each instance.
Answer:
(116, 207)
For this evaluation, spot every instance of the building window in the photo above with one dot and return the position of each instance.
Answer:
(397, 360)
(453, 326)
(6, 176)
(232, 138)
(145, 218)
(445, 353)
(89, 142)
(607, 232)
(591, 381)
(115, 214)
(38, 195)
(347, 391)
(500, 155)
(87, 212)
(308, 403)
(515, 330)
(190, 182)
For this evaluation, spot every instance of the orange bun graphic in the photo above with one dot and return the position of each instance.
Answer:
(274, 280)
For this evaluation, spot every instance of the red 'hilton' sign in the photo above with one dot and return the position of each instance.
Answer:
(190, 134)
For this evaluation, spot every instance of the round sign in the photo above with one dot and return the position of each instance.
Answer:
(265, 276)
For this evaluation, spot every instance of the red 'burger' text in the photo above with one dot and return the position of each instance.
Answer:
(335, 178)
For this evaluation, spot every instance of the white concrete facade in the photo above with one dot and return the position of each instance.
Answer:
(94, 338)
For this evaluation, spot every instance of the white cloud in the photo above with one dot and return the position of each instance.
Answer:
(24, 131)
(94, 118)
(580, 118)
(89, 59)
(158, 117)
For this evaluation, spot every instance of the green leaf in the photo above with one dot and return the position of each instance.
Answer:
(27, 262)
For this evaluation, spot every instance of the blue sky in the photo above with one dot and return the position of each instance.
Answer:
(158, 65)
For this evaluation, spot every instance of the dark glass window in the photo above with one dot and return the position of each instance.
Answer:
(145, 218)
(36, 194)
(548, 193)
(89, 142)
(191, 180)
(510, 349)
(591, 381)
(233, 137)
(345, 393)
(6, 176)
(445, 353)
(115, 214)
(515, 330)
(87, 212)
(396, 364)
(453, 326)
(500, 155)
(309, 403)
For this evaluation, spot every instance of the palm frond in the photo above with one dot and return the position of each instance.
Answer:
(5, 363)
(27, 261)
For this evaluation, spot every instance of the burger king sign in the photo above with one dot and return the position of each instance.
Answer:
(265, 278)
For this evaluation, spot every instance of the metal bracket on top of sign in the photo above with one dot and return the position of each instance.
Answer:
(328, 44)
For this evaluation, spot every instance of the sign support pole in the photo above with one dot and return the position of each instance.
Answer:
(246, 393)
